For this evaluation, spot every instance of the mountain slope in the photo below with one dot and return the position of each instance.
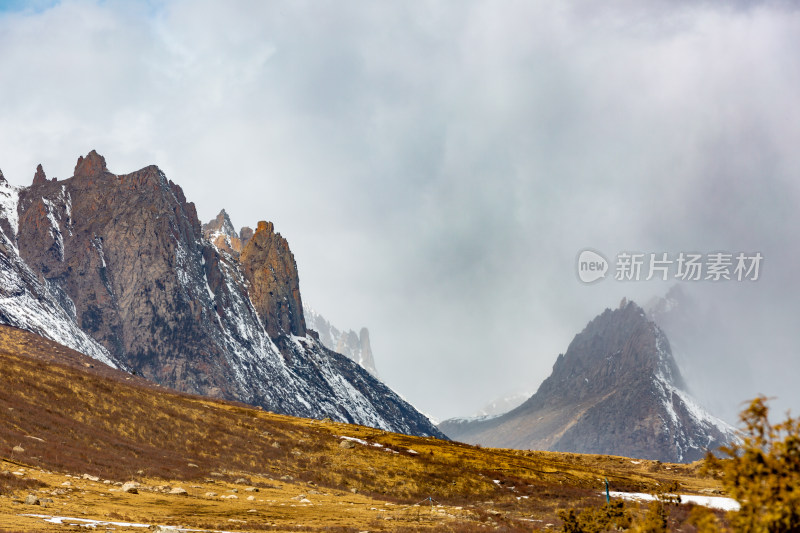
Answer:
(70, 415)
(127, 255)
(617, 390)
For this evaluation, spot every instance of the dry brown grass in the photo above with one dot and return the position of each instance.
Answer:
(74, 416)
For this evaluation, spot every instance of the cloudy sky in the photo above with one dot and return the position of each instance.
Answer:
(437, 166)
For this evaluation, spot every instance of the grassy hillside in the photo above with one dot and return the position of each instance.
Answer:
(72, 431)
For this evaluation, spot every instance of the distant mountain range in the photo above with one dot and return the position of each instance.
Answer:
(118, 266)
(502, 404)
(617, 391)
(354, 345)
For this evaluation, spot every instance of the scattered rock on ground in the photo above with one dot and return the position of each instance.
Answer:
(32, 500)
(347, 444)
(179, 491)
(131, 487)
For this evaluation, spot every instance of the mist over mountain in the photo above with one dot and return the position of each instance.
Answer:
(706, 351)
(617, 390)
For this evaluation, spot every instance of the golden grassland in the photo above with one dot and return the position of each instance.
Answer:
(78, 421)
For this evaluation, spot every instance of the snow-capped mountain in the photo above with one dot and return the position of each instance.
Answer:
(29, 301)
(617, 390)
(354, 345)
(502, 405)
(116, 266)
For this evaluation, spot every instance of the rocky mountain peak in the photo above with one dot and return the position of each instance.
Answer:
(222, 234)
(617, 390)
(366, 358)
(40, 176)
(270, 268)
(614, 347)
(90, 166)
(2, 178)
(221, 225)
(265, 227)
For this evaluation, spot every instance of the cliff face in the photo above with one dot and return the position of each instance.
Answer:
(30, 301)
(124, 249)
(617, 391)
(269, 267)
(122, 261)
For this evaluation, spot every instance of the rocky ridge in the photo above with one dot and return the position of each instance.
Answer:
(120, 264)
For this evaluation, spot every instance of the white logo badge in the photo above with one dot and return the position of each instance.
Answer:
(591, 266)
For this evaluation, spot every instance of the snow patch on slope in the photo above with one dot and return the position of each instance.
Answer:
(9, 197)
(678, 404)
(32, 303)
(27, 303)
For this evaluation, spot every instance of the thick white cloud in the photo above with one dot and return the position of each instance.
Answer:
(437, 166)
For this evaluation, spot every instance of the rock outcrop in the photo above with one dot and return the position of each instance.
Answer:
(269, 267)
(617, 390)
(40, 176)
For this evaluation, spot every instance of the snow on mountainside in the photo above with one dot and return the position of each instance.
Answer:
(28, 301)
(617, 391)
(354, 345)
(116, 266)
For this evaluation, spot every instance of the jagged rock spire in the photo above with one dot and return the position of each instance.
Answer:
(221, 225)
(40, 176)
(92, 165)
